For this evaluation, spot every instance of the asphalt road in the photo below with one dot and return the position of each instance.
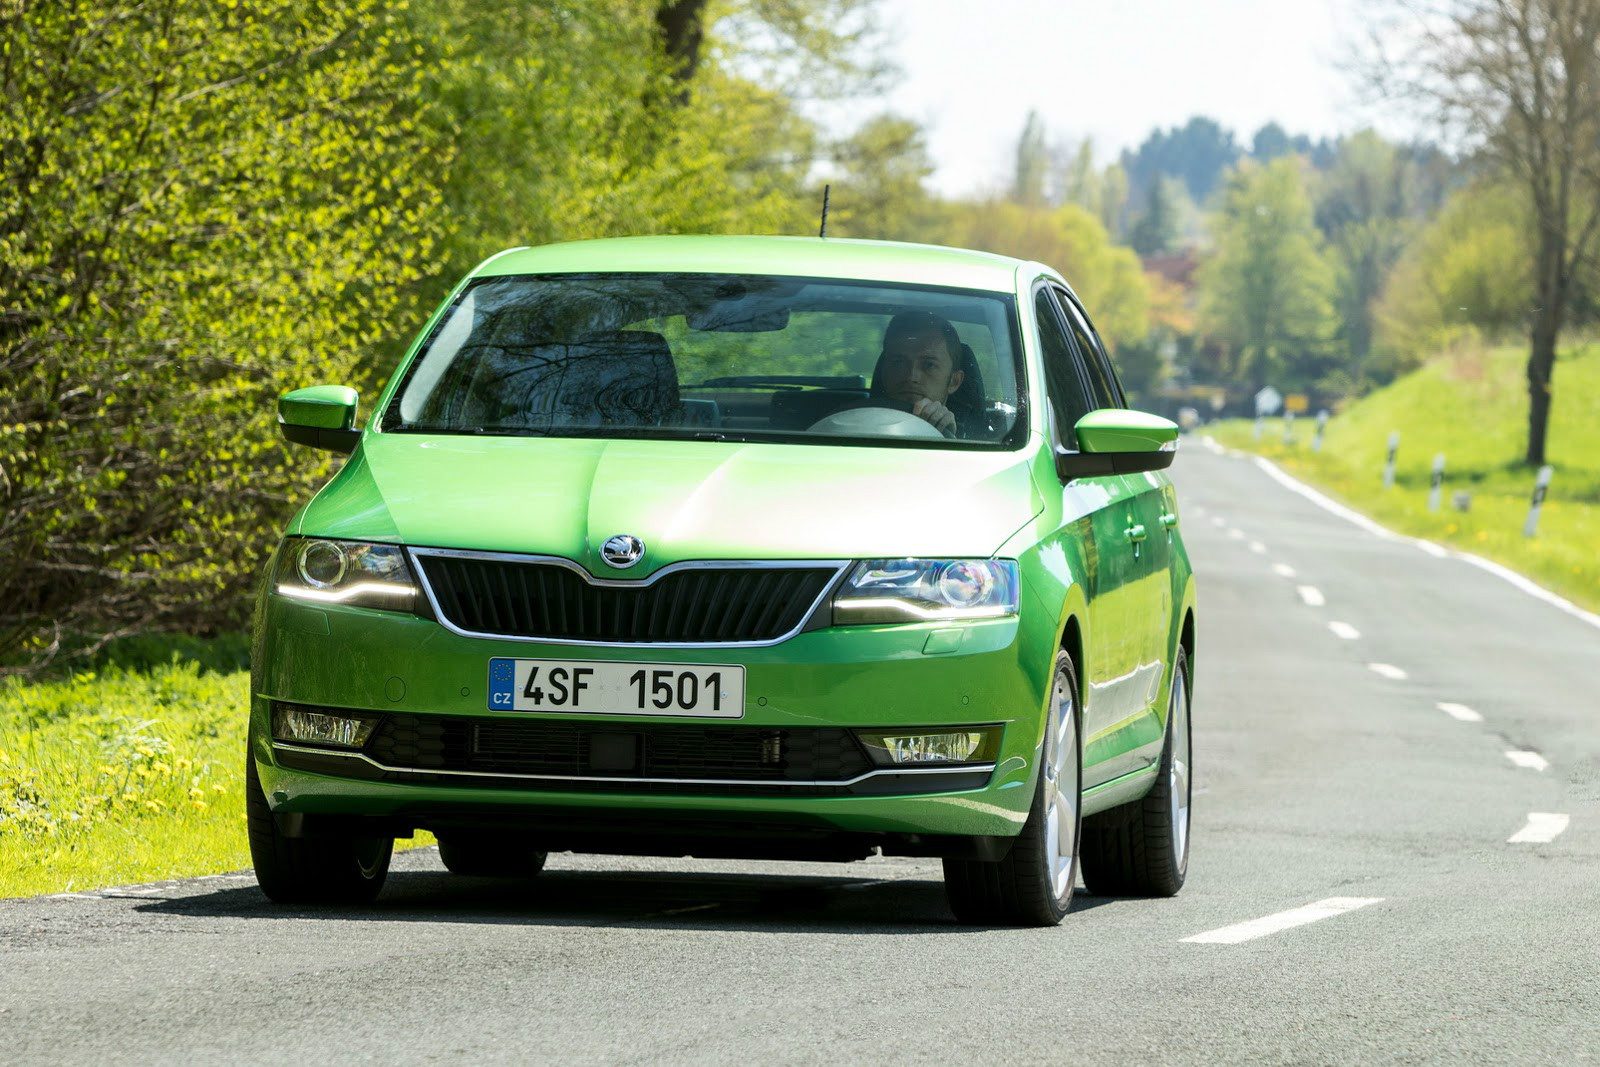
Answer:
(1364, 768)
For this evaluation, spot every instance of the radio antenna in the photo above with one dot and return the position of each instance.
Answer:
(823, 232)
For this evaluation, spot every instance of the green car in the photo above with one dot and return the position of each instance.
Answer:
(735, 547)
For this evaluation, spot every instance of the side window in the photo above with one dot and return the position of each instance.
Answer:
(1103, 383)
(1062, 378)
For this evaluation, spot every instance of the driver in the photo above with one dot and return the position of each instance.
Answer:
(920, 367)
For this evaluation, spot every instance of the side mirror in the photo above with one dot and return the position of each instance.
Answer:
(1119, 441)
(322, 416)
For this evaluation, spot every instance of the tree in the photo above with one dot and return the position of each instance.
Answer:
(1199, 152)
(1267, 290)
(200, 208)
(1158, 227)
(1519, 80)
(880, 192)
(1032, 168)
(1106, 275)
(1466, 273)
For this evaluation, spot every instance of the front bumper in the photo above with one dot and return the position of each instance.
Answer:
(413, 670)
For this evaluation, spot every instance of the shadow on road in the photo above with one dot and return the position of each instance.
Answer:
(649, 899)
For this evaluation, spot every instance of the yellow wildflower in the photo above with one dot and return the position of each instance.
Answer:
(153, 805)
(161, 768)
(199, 805)
(219, 789)
(197, 793)
(142, 772)
(5, 757)
(130, 797)
(184, 764)
(107, 770)
(145, 751)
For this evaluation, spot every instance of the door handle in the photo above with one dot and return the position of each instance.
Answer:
(1136, 532)
(1170, 519)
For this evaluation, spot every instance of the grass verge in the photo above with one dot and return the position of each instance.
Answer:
(1471, 406)
(123, 774)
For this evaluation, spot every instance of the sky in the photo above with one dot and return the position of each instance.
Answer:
(1112, 71)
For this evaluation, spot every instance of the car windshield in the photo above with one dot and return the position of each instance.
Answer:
(732, 357)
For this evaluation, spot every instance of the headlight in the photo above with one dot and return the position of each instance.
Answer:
(926, 590)
(345, 572)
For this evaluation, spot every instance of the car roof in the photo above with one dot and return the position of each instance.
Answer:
(808, 257)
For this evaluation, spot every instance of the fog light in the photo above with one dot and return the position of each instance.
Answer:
(906, 748)
(291, 723)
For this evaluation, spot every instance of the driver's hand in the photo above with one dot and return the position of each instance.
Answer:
(931, 410)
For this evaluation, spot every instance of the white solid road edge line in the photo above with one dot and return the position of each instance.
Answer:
(1283, 920)
(1531, 760)
(1534, 590)
(1460, 711)
(1542, 828)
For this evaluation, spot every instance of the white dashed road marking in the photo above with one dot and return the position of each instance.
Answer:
(1312, 596)
(1218, 520)
(1531, 760)
(1344, 630)
(1460, 711)
(1283, 920)
(1258, 548)
(1283, 570)
(1542, 828)
(1236, 535)
(1388, 670)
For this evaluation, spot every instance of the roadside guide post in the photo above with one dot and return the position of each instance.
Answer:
(1322, 422)
(1288, 427)
(1438, 482)
(1388, 464)
(1258, 427)
(1540, 487)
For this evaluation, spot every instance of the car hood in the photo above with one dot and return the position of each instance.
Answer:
(684, 499)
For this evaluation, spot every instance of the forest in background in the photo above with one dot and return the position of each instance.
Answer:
(203, 205)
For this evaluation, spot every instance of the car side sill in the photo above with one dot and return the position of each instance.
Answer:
(1108, 795)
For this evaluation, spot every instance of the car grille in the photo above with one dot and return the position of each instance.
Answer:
(711, 605)
(623, 750)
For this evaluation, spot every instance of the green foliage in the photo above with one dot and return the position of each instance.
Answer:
(879, 192)
(200, 207)
(1267, 291)
(1031, 171)
(1464, 405)
(1106, 276)
(1466, 275)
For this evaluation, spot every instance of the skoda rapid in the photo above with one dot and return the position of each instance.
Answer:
(735, 547)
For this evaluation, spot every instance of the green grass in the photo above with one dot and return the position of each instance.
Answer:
(1472, 406)
(129, 772)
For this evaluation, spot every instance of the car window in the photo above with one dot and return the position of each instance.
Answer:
(687, 355)
(1103, 385)
(1063, 379)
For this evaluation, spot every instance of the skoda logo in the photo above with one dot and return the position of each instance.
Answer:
(623, 550)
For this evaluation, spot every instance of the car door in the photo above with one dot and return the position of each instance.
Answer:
(1149, 517)
(1094, 512)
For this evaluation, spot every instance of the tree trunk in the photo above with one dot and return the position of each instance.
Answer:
(682, 26)
(1541, 364)
(1550, 301)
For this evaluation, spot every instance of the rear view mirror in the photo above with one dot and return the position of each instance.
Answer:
(322, 416)
(1119, 441)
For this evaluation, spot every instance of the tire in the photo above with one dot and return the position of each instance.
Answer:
(1141, 849)
(488, 856)
(326, 869)
(1033, 884)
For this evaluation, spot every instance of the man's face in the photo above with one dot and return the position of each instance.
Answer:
(918, 366)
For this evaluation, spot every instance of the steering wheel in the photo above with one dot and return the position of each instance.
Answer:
(881, 418)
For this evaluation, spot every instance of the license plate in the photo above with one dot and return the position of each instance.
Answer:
(606, 687)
